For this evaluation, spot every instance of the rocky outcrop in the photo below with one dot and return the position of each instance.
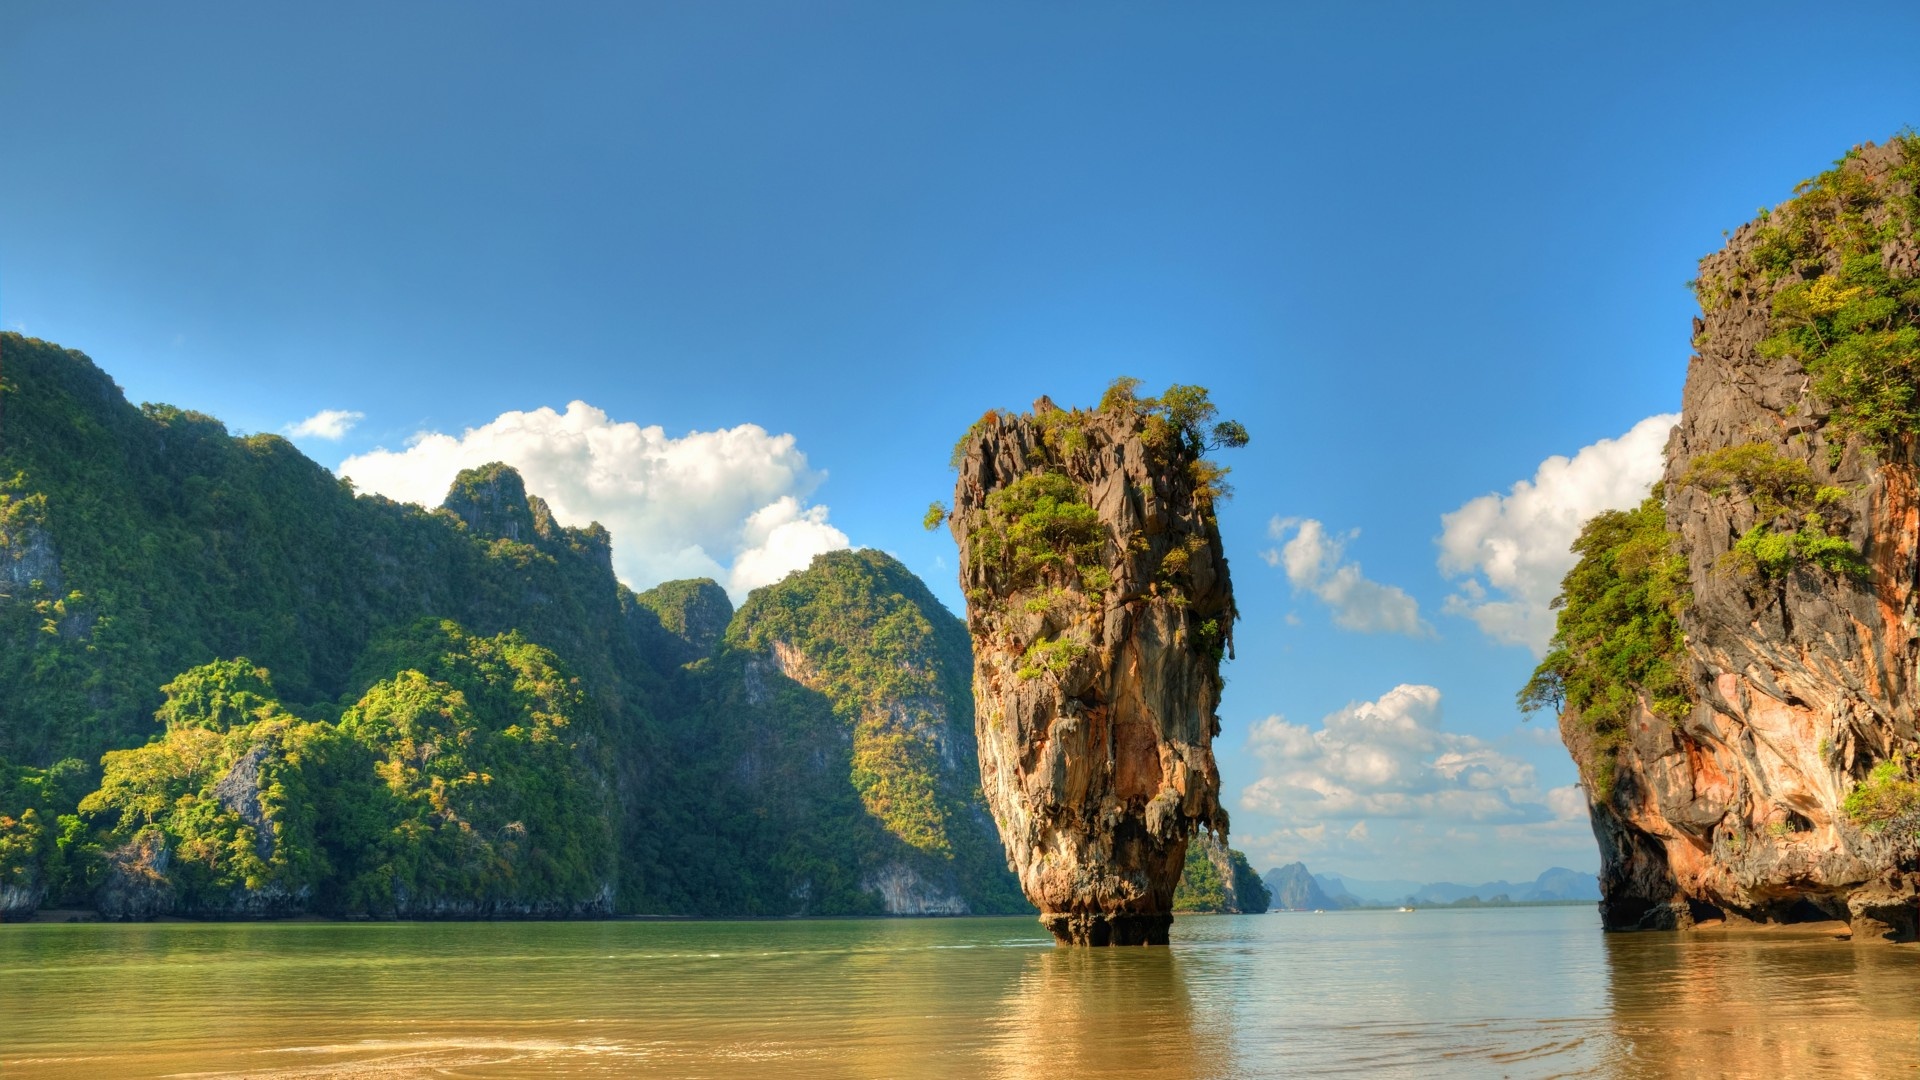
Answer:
(1293, 889)
(19, 901)
(136, 885)
(1099, 606)
(1219, 880)
(1802, 671)
(27, 559)
(904, 891)
(238, 792)
(694, 614)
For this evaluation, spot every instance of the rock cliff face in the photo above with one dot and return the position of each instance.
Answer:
(1099, 606)
(1801, 649)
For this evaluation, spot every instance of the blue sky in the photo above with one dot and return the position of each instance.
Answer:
(1417, 250)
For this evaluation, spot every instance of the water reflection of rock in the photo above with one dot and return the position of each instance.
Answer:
(1761, 1003)
(1108, 1013)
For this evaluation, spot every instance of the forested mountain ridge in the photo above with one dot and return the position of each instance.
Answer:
(367, 708)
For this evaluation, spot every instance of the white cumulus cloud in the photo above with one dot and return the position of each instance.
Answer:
(1513, 549)
(1389, 758)
(329, 424)
(1381, 789)
(728, 504)
(1314, 563)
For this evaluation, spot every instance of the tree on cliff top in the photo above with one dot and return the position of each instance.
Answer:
(1181, 412)
(1182, 417)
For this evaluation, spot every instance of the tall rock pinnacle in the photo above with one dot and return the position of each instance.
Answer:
(1100, 609)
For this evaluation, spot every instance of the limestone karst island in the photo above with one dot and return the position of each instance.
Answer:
(907, 542)
(1100, 609)
(1735, 656)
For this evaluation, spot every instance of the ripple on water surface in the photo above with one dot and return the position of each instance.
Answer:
(1516, 992)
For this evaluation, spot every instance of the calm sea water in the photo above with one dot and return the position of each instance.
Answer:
(1517, 992)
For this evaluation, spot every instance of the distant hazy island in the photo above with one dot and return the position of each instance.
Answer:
(1295, 888)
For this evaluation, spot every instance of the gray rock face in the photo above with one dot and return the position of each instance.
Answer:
(136, 885)
(20, 901)
(239, 792)
(1096, 667)
(493, 501)
(1802, 682)
(903, 891)
(27, 556)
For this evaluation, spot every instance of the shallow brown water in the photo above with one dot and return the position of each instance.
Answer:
(1517, 992)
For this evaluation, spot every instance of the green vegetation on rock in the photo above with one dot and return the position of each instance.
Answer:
(470, 783)
(1888, 800)
(1618, 642)
(1796, 523)
(696, 612)
(1208, 887)
(1039, 524)
(1183, 416)
(1846, 311)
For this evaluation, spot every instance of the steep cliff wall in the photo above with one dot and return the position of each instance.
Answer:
(860, 630)
(1100, 607)
(1746, 787)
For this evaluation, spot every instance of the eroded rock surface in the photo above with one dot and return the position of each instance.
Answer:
(1803, 679)
(1099, 605)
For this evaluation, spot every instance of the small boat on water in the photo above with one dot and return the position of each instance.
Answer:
(1406, 909)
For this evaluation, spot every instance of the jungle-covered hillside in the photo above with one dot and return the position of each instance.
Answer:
(231, 686)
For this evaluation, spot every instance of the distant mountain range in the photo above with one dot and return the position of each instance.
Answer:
(1294, 887)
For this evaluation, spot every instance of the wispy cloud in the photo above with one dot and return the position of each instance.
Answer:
(329, 424)
(1314, 563)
